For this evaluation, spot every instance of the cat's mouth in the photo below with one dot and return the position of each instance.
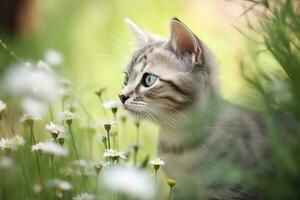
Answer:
(132, 110)
(136, 110)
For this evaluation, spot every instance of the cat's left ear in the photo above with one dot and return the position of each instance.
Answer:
(182, 40)
(142, 37)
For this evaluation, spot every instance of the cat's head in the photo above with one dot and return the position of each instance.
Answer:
(167, 76)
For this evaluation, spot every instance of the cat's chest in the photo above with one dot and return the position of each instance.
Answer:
(179, 158)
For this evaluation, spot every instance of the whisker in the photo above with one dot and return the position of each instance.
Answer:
(172, 122)
(163, 135)
(173, 109)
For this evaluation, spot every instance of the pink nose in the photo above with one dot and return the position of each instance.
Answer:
(123, 98)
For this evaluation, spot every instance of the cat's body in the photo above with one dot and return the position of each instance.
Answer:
(209, 145)
(210, 159)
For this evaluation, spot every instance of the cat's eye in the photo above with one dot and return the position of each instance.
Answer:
(126, 79)
(148, 79)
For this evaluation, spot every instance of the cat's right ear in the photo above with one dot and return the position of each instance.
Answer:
(142, 37)
(182, 40)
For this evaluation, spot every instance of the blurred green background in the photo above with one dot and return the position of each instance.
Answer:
(96, 43)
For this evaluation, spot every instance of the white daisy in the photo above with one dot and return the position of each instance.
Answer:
(81, 163)
(28, 117)
(158, 162)
(104, 122)
(37, 147)
(33, 107)
(84, 196)
(111, 104)
(43, 66)
(53, 57)
(59, 184)
(11, 143)
(98, 165)
(114, 154)
(4, 144)
(32, 82)
(50, 147)
(55, 129)
(67, 116)
(19, 140)
(131, 181)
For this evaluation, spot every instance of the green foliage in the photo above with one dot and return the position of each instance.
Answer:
(279, 25)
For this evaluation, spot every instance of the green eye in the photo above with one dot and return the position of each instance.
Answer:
(126, 79)
(148, 79)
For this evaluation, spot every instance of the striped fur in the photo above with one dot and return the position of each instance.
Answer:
(201, 136)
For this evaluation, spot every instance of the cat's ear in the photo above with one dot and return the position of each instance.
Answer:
(184, 41)
(142, 37)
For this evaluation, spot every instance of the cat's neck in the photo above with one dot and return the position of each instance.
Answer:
(190, 127)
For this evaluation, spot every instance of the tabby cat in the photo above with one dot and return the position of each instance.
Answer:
(209, 145)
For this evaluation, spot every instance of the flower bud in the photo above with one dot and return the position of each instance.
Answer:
(100, 92)
(107, 127)
(114, 110)
(171, 182)
(61, 141)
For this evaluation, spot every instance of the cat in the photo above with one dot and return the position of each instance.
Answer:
(209, 145)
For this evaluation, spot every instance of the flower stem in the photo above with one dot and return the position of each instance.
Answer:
(137, 144)
(36, 155)
(50, 112)
(135, 156)
(10, 51)
(52, 173)
(137, 135)
(156, 195)
(108, 139)
(73, 141)
(76, 153)
(170, 193)
(97, 182)
(24, 176)
(115, 138)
